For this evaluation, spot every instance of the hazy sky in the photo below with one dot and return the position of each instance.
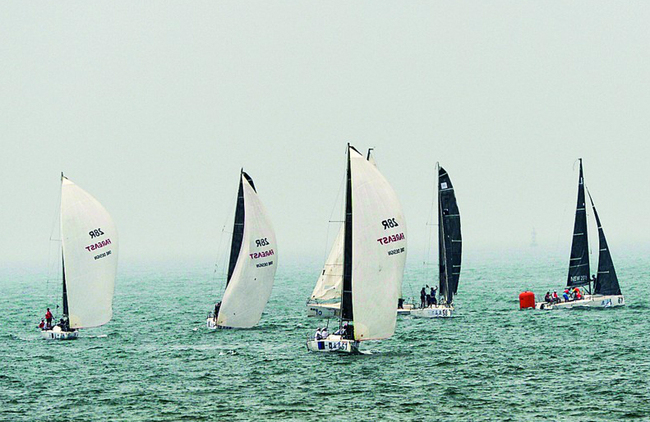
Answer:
(153, 107)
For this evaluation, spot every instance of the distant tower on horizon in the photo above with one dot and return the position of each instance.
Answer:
(533, 239)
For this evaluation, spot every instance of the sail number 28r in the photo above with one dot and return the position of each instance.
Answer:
(389, 223)
(261, 242)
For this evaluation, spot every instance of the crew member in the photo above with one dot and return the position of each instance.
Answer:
(48, 317)
(423, 298)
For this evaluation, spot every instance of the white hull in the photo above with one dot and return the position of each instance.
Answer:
(434, 311)
(57, 334)
(406, 310)
(324, 310)
(333, 343)
(589, 301)
(211, 323)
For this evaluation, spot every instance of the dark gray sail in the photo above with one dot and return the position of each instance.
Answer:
(238, 229)
(346, 296)
(606, 280)
(449, 238)
(579, 261)
(65, 289)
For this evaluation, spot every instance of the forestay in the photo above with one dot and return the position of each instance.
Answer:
(378, 250)
(90, 250)
(252, 278)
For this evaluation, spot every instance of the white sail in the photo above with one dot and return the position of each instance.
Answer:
(378, 251)
(90, 249)
(252, 279)
(329, 283)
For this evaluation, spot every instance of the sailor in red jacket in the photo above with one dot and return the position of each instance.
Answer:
(48, 317)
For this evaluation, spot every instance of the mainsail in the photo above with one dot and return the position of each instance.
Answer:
(606, 280)
(449, 237)
(579, 262)
(250, 282)
(374, 250)
(328, 286)
(90, 249)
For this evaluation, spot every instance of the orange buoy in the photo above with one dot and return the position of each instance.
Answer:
(526, 300)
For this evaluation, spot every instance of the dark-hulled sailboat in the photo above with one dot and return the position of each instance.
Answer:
(450, 247)
(602, 290)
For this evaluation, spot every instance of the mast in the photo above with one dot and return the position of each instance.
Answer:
(606, 280)
(346, 297)
(579, 261)
(238, 227)
(450, 238)
(65, 290)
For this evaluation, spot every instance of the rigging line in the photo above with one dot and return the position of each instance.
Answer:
(221, 254)
(50, 264)
(334, 207)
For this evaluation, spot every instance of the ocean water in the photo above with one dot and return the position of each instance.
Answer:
(156, 361)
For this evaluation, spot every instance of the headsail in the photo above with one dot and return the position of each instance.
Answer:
(606, 280)
(329, 283)
(90, 249)
(579, 262)
(449, 236)
(374, 251)
(250, 283)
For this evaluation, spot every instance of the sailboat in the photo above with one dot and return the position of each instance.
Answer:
(602, 290)
(252, 263)
(450, 245)
(89, 261)
(325, 300)
(374, 252)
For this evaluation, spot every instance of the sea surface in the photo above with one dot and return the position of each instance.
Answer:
(156, 361)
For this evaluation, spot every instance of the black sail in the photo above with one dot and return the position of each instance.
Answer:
(579, 262)
(449, 238)
(346, 297)
(65, 290)
(606, 280)
(238, 229)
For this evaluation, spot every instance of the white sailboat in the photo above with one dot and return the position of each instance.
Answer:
(374, 252)
(252, 265)
(450, 244)
(89, 256)
(325, 300)
(602, 291)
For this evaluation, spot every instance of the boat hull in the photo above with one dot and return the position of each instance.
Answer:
(406, 309)
(57, 334)
(211, 323)
(434, 311)
(324, 310)
(590, 301)
(333, 344)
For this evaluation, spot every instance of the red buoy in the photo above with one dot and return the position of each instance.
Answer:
(526, 300)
